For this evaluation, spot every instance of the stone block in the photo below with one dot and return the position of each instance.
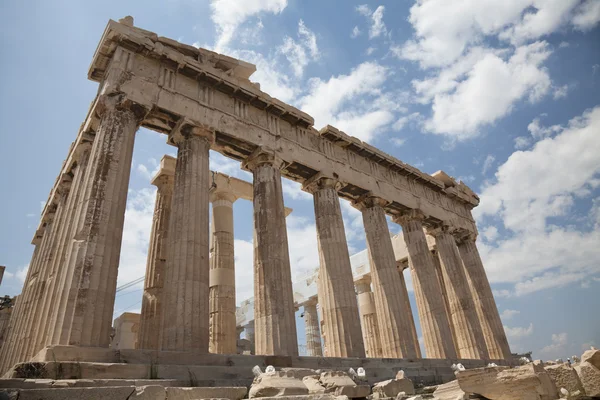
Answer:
(341, 384)
(499, 383)
(449, 391)
(313, 384)
(9, 394)
(592, 356)
(564, 376)
(392, 387)
(149, 393)
(92, 393)
(193, 393)
(589, 377)
(279, 383)
(299, 373)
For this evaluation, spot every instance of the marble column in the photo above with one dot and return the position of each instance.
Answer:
(440, 276)
(275, 323)
(12, 351)
(493, 331)
(153, 299)
(336, 285)
(410, 318)
(66, 291)
(222, 275)
(53, 265)
(311, 323)
(435, 323)
(368, 316)
(185, 323)
(96, 247)
(463, 315)
(392, 314)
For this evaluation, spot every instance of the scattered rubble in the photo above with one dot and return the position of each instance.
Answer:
(565, 377)
(392, 387)
(589, 372)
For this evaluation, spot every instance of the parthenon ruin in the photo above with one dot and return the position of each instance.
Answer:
(205, 101)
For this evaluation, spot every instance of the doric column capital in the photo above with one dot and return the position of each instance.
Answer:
(363, 285)
(185, 129)
(410, 215)
(217, 194)
(463, 236)
(368, 200)
(165, 177)
(262, 156)
(64, 184)
(312, 302)
(120, 102)
(319, 182)
(440, 229)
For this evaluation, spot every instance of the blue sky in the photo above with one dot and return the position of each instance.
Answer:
(501, 94)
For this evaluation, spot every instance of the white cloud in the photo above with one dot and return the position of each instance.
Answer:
(228, 15)
(244, 270)
(20, 274)
(530, 188)
(370, 50)
(546, 17)
(560, 92)
(293, 190)
(354, 103)
(559, 341)
(508, 314)
(300, 53)
(522, 142)
(355, 32)
(377, 26)
(404, 120)
(539, 132)
(488, 163)
(518, 332)
(136, 235)
(488, 91)
(490, 233)
(398, 142)
(587, 15)
(445, 30)
(148, 171)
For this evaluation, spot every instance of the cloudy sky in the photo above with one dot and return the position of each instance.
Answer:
(503, 95)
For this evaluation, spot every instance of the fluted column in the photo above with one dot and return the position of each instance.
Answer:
(410, 318)
(153, 298)
(463, 316)
(53, 264)
(311, 323)
(66, 291)
(185, 322)
(222, 275)
(275, 323)
(96, 247)
(493, 332)
(392, 314)
(336, 286)
(368, 316)
(13, 349)
(435, 323)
